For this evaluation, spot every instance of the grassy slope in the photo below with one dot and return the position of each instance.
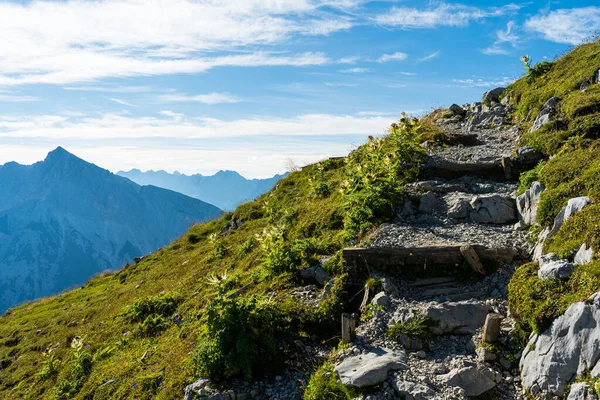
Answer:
(309, 206)
(573, 170)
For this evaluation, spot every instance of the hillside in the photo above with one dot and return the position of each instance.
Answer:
(235, 298)
(225, 189)
(64, 220)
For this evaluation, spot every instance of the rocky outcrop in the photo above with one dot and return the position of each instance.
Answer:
(458, 110)
(428, 203)
(596, 79)
(568, 349)
(573, 206)
(582, 391)
(474, 380)
(370, 369)
(548, 111)
(584, 255)
(493, 95)
(462, 318)
(315, 273)
(527, 203)
(411, 390)
(556, 269)
(528, 155)
(493, 209)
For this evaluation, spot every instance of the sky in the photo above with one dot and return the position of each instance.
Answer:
(254, 86)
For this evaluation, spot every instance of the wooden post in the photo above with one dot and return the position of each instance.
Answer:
(491, 328)
(472, 258)
(348, 327)
(507, 165)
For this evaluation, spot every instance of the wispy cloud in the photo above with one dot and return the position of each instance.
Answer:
(210, 98)
(569, 26)
(355, 70)
(397, 56)
(122, 102)
(341, 84)
(7, 97)
(348, 60)
(408, 73)
(440, 15)
(503, 37)
(505, 81)
(173, 125)
(431, 56)
(66, 42)
(110, 89)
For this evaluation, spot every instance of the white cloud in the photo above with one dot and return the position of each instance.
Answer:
(442, 14)
(502, 37)
(505, 81)
(569, 26)
(408, 73)
(110, 89)
(65, 42)
(355, 70)
(431, 56)
(12, 98)
(348, 60)
(122, 102)
(341, 84)
(119, 126)
(210, 98)
(397, 56)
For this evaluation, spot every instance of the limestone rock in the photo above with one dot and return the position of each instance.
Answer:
(315, 273)
(596, 79)
(582, 391)
(408, 208)
(428, 203)
(493, 95)
(416, 391)
(584, 255)
(459, 210)
(485, 355)
(546, 114)
(371, 368)
(573, 206)
(585, 85)
(528, 155)
(381, 299)
(527, 203)
(560, 269)
(567, 349)
(458, 110)
(461, 318)
(475, 381)
(491, 328)
(493, 209)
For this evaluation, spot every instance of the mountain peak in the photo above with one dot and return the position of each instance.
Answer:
(59, 154)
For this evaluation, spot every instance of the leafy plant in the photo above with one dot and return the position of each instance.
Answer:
(277, 256)
(241, 336)
(324, 384)
(78, 372)
(50, 367)
(247, 246)
(369, 312)
(535, 71)
(164, 305)
(417, 328)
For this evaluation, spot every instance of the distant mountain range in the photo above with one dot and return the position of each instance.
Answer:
(225, 189)
(63, 220)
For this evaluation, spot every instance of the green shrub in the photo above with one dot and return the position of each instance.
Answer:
(164, 305)
(369, 312)
(324, 384)
(78, 372)
(528, 177)
(537, 70)
(417, 328)
(277, 256)
(241, 337)
(152, 325)
(218, 251)
(50, 367)
(247, 246)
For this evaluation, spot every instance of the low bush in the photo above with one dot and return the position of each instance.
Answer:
(241, 337)
(417, 328)
(77, 373)
(324, 384)
(164, 305)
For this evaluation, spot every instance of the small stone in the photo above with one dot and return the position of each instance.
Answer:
(381, 299)
(421, 354)
(491, 328)
(428, 203)
(485, 355)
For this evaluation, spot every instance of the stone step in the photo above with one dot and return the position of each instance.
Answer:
(500, 170)
(415, 261)
(441, 291)
(466, 296)
(431, 281)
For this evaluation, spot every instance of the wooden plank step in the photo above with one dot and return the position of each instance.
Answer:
(466, 296)
(440, 292)
(414, 259)
(431, 281)
(451, 170)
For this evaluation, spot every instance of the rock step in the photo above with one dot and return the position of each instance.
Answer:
(428, 259)
(466, 296)
(500, 170)
(441, 291)
(431, 281)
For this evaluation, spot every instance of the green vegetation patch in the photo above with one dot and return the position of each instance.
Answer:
(417, 328)
(325, 384)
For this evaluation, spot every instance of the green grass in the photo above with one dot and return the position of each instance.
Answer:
(417, 328)
(572, 171)
(124, 320)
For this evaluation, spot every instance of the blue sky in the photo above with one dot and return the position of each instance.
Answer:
(198, 86)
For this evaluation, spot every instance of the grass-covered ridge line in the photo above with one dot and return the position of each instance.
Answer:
(572, 169)
(148, 330)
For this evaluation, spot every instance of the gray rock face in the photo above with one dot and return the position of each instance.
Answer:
(371, 368)
(493, 95)
(459, 210)
(412, 390)
(582, 391)
(585, 85)
(596, 79)
(560, 269)
(408, 208)
(475, 381)
(458, 110)
(567, 349)
(527, 203)
(493, 209)
(546, 114)
(462, 318)
(315, 273)
(381, 299)
(528, 155)
(584, 255)
(428, 203)
(573, 206)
